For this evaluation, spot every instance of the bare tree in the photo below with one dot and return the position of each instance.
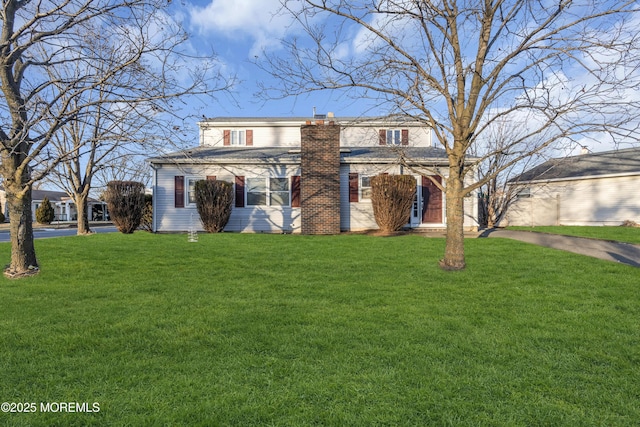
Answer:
(561, 70)
(497, 169)
(50, 74)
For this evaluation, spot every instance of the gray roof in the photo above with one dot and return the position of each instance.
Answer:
(291, 155)
(397, 119)
(52, 195)
(617, 162)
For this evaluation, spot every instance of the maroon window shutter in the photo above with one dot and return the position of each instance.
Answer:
(405, 137)
(226, 137)
(239, 191)
(295, 191)
(382, 139)
(353, 187)
(211, 177)
(179, 192)
(249, 137)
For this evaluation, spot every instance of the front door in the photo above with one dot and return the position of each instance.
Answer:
(431, 201)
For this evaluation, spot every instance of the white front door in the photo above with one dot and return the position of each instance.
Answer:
(416, 208)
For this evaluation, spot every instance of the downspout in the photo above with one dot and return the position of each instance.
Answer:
(154, 227)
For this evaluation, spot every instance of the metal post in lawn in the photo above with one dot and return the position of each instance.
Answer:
(192, 234)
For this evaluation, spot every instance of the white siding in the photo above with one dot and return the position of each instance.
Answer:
(358, 136)
(168, 218)
(270, 135)
(359, 215)
(595, 201)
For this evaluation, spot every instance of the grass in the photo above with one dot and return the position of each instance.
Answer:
(289, 330)
(615, 233)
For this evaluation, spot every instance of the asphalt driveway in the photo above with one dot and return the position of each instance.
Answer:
(624, 253)
(48, 232)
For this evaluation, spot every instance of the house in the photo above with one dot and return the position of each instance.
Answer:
(63, 206)
(588, 189)
(300, 175)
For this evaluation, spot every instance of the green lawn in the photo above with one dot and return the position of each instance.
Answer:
(287, 330)
(617, 233)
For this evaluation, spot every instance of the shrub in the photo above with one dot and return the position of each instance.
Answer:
(125, 201)
(45, 213)
(392, 198)
(213, 200)
(146, 223)
(2, 217)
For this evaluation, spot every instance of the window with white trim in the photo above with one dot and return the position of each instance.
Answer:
(365, 187)
(394, 137)
(238, 137)
(191, 190)
(268, 191)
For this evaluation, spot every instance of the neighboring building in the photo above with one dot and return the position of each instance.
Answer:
(299, 175)
(589, 189)
(63, 206)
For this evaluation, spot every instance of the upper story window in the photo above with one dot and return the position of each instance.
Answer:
(238, 137)
(394, 137)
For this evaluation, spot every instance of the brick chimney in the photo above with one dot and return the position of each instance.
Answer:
(320, 178)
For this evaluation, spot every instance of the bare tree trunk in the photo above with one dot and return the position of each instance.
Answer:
(23, 254)
(491, 213)
(82, 208)
(454, 249)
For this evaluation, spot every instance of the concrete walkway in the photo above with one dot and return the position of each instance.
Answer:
(625, 253)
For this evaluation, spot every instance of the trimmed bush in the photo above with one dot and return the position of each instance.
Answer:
(146, 223)
(125, 201)
(392, 198)
(213, 200)
(45, 213)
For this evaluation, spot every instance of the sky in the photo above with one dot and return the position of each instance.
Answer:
(238, 31)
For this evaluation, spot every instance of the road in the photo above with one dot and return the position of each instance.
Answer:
(45, 233)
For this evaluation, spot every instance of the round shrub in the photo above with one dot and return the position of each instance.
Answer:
(213, 200)
(125, 201)
(392, 198)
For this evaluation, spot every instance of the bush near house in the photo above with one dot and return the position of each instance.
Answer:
(213, 200)
(392, 197)
(125, 201)
(2, 218)
(45, 213)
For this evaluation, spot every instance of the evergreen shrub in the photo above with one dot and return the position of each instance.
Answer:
(45, 213)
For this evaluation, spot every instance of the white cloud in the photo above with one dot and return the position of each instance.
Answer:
(261, 20)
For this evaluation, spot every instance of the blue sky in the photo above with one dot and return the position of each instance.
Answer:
(238, 31)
